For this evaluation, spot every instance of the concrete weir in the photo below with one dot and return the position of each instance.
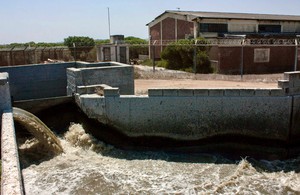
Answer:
(105, 92)
(200, 114)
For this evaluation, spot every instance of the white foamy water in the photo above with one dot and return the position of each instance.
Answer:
(90, 167)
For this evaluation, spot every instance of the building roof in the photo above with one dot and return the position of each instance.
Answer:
(226, 15)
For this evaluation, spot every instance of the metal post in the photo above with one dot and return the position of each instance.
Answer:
(296, 54)
(195, 57)
(74, 46)
(242, 58)
(42, 55)
(35, 55)
(24, 55)
(11, 63)
(153, 55)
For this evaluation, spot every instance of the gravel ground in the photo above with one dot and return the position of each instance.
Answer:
(145, 78)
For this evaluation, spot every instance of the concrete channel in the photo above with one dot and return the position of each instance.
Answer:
(105, 92)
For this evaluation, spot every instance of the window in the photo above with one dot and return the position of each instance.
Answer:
(212, 27)
(267, 28)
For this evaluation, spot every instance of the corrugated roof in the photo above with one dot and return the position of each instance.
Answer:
(226, 15)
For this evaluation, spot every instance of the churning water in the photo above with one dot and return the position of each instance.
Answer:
(90, 167)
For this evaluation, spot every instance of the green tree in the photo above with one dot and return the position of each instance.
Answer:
(137, 46)
(135, 40)
(80, 46)
(184, 55)
(102, 41)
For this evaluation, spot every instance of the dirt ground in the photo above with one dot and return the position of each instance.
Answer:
(146, 78)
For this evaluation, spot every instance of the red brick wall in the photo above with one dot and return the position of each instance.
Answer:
(229, 60)
(281, 60)
(168, 32)
(155, 32)
(183, 28)
(168, 29)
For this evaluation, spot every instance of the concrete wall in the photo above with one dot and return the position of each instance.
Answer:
(115, 75)
(50, 80)
(21, 56)
(37, 81)
(193, 114)
(11, 179)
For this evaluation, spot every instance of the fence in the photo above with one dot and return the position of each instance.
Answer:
(226, 56)
(237, 55)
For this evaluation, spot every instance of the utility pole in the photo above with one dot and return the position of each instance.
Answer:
(108, 16)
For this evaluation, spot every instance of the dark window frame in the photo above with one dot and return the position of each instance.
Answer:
(214, 27)
(269, 28)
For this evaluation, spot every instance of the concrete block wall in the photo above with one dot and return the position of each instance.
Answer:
(291, 85)
(116, 75)
(37, 81)
(192, 114)
(193, 117)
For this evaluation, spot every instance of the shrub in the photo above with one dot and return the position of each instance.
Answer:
(181, 55)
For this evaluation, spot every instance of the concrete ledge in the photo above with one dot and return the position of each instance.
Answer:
(186, 92)
(11, 179)
(232, 92)
(220, 92)
(108, 92)
(155, 92)
(216, 92)
(277, 92)
(291, 76)
(201, 92)
(170, 92)
(247, 92)
(283, 84)
(262, 92)
(90, 89)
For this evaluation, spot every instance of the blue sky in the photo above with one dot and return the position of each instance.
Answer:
(54, 20)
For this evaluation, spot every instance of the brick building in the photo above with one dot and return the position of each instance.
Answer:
(170, 26)
(174, 25)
